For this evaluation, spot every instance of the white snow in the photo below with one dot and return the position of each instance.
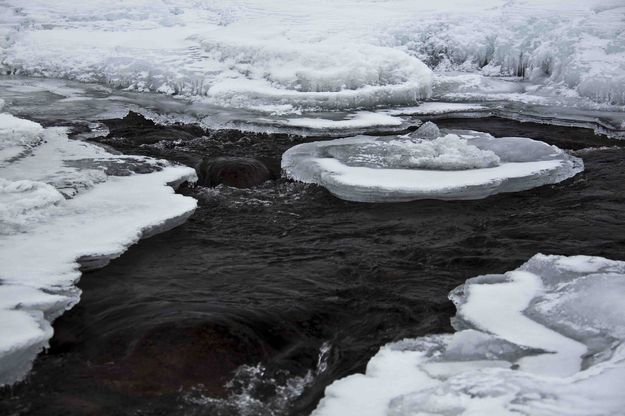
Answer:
(325, 54)
(18, 136)
(448, 152)
(471, 166)
(434, 107)
(546, 339)
(510, 299)
(361, 119)
(23, 202)
(63, 202)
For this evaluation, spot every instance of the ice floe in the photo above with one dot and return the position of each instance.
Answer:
(545, 339)
(455, 165)
(65, 205)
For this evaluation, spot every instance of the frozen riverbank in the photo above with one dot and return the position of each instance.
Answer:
(66, 205)
(274, 57)
(544, 339)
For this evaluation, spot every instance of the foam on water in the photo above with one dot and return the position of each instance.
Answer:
(545, 339)
(65, 204)
(256, 391)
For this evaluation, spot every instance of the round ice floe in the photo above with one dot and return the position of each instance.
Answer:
(459, 165)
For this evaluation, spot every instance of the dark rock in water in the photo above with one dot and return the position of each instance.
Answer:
(141, 130)
(190, 144)
(240, 172)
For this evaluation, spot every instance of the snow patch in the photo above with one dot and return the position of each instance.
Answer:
(68, 204)
(359, 120)
(545, 339)
(434, 108)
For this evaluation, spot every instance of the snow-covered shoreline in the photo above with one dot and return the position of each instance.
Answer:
(67, 205)
(327, 55)
(545, 339)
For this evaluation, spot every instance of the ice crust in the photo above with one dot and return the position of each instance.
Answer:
(456, 165)
(18, 137)
(54, 100)
(67, 204)
(545, 339)
(362, 119)
(324, 54)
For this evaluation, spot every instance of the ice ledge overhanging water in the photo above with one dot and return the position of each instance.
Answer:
(545, 339)
(66, 205)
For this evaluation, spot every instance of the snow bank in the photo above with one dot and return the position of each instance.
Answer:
(321, 55)
(545, 339)
(66, 204)
(460, 165)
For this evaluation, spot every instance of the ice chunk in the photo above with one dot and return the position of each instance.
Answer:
(68, 204)
(467, 165)
(427, 130)
(448, 152)
(523, 351)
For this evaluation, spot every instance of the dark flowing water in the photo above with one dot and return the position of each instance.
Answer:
(267, 295)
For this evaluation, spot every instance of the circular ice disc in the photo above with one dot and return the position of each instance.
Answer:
(458, 165)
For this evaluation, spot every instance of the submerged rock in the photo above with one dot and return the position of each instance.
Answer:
(239, 172)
